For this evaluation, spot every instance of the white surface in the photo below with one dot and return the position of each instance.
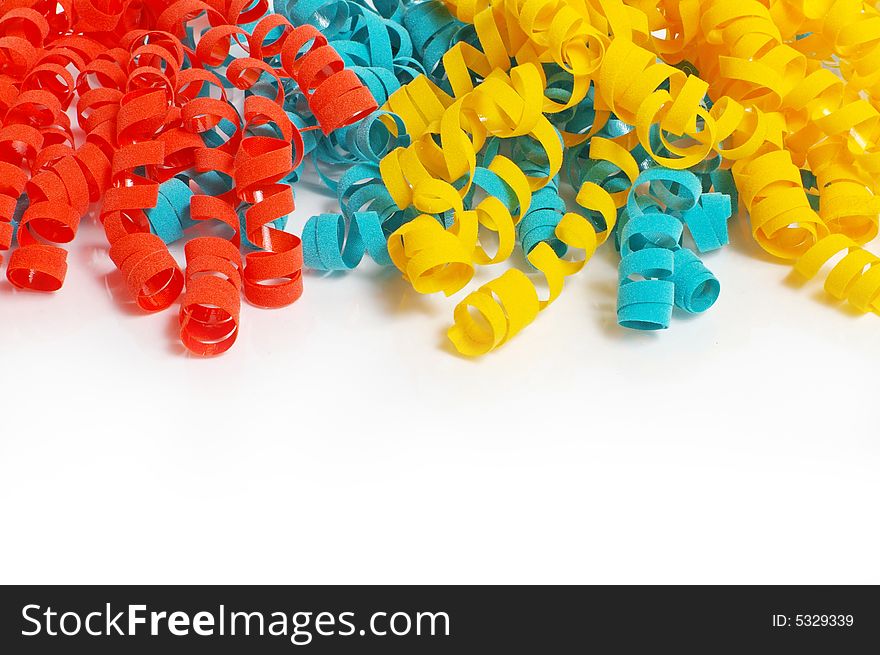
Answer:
(340, 441)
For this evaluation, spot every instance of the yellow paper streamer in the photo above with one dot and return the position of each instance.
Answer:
(829, 128)
(855, 278)
(449, 132)
(777, 112)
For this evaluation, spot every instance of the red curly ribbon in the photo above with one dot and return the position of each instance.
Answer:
(148, 105)
(209, 311)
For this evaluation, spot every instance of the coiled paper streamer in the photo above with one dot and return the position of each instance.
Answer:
(783, 219)
(356, 151)
(209, 311)
(748, 51)
(378, 49)
(210, 308)
(471, 153)
(150, 272)
(855, 278)
(36, 147)
(652, 280)
(434, 258)
(272, 275)
(159, 126)
(326, 246)
(434, 32)
(422, 176)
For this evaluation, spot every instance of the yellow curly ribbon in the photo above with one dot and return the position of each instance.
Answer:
(783, 222)
(851, 30)
(431, 258)
(510, 302)
(777, 112)
(434, 259)
(746, 49)
(855, 278)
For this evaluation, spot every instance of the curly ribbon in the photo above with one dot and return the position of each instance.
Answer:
(326, 247)
(539, 223)
(770, 55)
(150, 272)
(447, 139)
(658, 99)
(646, 304)
(210, 307)
(151, 83)
(678, 128)
(855, 278)
(434, 32)
(848, 29)
(465, 160)
(352, 154)
(37, 157)
(655, 271)
(273, 274)
(430, 257)
(273, 145)
(510, 302)
(448, 132)
(375, 46)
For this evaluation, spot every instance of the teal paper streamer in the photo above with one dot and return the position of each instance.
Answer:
(326, 248)
(20, 207)
(494, 186)
(367, 141)
(655, 271)
(170, 217)
(696, 289)
(538, 225)
(646, 293)
(434, 31)
(707, 221)
(374, 43)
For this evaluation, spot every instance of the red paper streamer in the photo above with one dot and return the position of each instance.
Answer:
(210, 307)
(141, 102)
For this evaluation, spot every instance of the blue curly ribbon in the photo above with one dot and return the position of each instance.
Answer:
(170, 217)
(326, 248)
(651, 282)
(646, 303)
(707, 221)
(375, 43)
(538, 225)
(696, 289)
(366, 141)
(434, 31)
(20, 206)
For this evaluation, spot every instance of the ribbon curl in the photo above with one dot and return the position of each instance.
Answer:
(656, 272)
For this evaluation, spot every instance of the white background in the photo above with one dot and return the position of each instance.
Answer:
(340, 440)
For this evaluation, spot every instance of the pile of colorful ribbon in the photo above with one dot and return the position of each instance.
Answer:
(448, 131)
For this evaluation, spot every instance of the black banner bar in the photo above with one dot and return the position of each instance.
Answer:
(447, 619)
